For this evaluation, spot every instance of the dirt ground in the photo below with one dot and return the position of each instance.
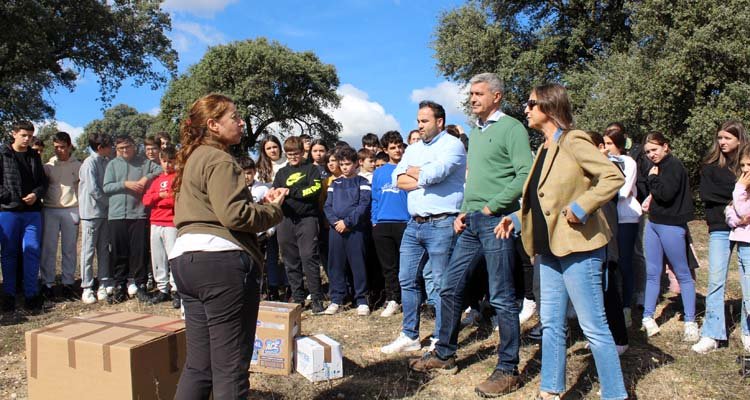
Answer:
(662, 367)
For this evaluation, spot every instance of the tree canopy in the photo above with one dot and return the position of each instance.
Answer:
(681, 67)
(48, 43)
(276, 90)
(119, 120)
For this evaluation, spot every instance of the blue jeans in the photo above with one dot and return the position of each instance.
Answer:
(744, 253)
(433, 240)
(477, 240)
(576, 277)
(24, 228)
(719, 253)
(626, 235)
(660, 240)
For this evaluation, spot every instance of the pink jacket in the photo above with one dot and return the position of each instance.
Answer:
(736, 211)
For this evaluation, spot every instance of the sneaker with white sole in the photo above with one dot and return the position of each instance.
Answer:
(527, 311)
(691, 332)
(101, 293)
(628, 317)
(651, 327)
(746, 342)
(332, 309)
(88, 296)
(705, 345)
(132, 289)
(363, 310)
(391, 309)
(110, 290)
(402, 344)
(433, 342)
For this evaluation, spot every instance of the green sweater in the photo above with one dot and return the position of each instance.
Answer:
(499, 161)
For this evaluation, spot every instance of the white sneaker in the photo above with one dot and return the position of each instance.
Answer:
(332, 309)
(527, 311)
(650, 326)
(746, 342)
(110, 290)
(101, 294)
(401, 344)
(628, 318)
(363, 310)
(621, 349)
(705, 345)
(132, 289)
(391, 309)
(691, 332)
(433, 342)
(88, 296)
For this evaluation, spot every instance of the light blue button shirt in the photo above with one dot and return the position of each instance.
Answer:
(442, 164)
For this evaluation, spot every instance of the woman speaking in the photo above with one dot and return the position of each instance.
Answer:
(560, 222)
(216, 260)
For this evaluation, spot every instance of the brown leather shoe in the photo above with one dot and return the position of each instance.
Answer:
(498, 384)
(430, 362)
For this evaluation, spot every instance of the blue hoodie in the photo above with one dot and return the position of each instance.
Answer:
(348, 200)
(388, 201)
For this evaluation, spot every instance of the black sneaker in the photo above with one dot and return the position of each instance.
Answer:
(69, 293)
(7, 303)
(142, 295)
(317, 307)
(34, 303)
(119, 295)
(159, 297)
(47, 293)
(176, 300)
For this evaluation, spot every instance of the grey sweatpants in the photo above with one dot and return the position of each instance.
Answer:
(162, 241)
(95, 239)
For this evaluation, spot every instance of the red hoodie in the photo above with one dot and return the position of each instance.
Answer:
(162, 210)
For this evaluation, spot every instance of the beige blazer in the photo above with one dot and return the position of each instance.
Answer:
(573, 171)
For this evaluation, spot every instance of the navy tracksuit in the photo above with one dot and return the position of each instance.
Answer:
(349, 201)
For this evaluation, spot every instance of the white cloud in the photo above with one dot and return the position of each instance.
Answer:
(448, 94)
(62, 126)
(154, 111)
(201, 8)
(358, 115)
(186, 34)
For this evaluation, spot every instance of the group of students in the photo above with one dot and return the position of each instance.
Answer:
(123, 206)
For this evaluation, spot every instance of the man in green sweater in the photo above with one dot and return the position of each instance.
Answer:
(499, 161)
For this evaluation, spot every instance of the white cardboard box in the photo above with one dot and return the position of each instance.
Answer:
(318, 358)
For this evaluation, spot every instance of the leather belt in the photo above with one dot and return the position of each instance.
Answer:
(430, 218)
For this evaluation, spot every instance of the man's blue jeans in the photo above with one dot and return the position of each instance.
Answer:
(433, 240)
(24, 228)
(476, 241)
(577, 277)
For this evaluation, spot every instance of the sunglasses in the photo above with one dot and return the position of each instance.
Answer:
(531, 104)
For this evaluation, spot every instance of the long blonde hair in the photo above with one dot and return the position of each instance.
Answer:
(194, 130)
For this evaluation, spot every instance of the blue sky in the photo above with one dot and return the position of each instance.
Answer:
(381, 50)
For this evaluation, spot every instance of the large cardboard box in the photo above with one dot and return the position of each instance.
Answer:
(106, 355)
(318, 358)
(273, 350)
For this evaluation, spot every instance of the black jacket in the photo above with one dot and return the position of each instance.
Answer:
(304, 186)
(671, 203)
(716, 192)
(11, 187)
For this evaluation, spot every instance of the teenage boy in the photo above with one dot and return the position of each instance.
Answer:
(298, 232)
(366, 163)
(125, 179)
(151, 149)
(92, 207)
(346, 210)
(381, 159)
(21, 190)
(160, 199)
(389, 217)
(371, 142)
(60, 217)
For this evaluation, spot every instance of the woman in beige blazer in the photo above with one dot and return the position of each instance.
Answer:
(560, 222)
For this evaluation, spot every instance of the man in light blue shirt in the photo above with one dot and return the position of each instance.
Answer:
(433, 173)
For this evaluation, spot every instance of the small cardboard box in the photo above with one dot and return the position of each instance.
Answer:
(106, 355)
(318, 358)
(273, 350)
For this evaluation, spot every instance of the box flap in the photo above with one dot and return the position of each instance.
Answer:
(277, 306)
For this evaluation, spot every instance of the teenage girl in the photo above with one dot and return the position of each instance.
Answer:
(670, 209)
